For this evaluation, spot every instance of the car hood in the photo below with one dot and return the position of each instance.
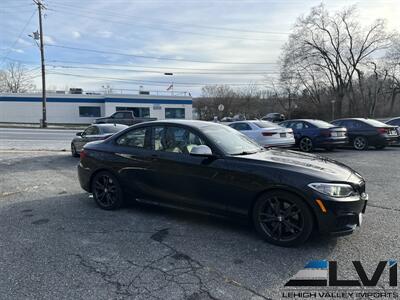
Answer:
(308, 164)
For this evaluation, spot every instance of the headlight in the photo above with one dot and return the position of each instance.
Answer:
(338, 190)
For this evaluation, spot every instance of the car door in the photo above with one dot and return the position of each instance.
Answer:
(297, 127)
(181, 179)
(133, 162)
(87, 136)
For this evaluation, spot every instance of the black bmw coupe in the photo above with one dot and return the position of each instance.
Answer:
(211, 167)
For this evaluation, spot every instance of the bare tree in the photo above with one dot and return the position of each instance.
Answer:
(328, 50)
(15, 79)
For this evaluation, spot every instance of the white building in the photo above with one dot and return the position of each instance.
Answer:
(83, 109)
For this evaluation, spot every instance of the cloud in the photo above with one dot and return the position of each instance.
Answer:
(48, 40)
(23, 42)
(17, 50)
(104, 34)
(76, 34)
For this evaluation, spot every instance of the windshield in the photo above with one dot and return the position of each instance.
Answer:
(265, 124)
(230, 140)
(320, 124)
(112, 128)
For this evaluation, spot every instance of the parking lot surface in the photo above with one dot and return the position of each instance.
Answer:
(56, 244)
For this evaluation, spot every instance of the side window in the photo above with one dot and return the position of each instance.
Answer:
(297, 125)
(134, 138)
(118, 115)
(242, 126)
(127, 115)
(306, 125)
(92, 130)
(174, 139)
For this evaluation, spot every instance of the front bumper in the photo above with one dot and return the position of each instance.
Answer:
(341, 217)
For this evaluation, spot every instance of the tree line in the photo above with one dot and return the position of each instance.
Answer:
(331, 66)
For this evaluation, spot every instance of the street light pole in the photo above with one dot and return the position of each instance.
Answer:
(43, 123)
(172, 84)
(333, 109)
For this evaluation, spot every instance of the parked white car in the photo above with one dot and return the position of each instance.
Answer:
(266, 133)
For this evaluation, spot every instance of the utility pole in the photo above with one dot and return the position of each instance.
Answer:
(43, 123)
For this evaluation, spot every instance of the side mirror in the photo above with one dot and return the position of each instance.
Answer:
(201, 150)
(79, 133)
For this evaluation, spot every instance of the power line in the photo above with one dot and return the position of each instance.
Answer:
(154, 82)
(158, 28)
(160, 58)
(161, 69)
(18, 37)
(158, 21)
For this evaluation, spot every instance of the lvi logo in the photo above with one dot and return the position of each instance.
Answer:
(325, 273)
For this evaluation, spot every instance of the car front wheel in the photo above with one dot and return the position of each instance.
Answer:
(283, 218)
(107, 191)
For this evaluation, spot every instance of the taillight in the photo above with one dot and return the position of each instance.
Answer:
(326, 133)
(268, 133)
(383, 130)
(82, 155)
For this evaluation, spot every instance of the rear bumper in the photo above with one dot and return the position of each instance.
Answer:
(84, 177)
(332, 142)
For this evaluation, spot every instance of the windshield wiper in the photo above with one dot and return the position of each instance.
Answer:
(245, 153)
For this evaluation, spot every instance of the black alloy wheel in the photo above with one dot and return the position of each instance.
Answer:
(106, 191)
(360, 143)
(306, 144)
(282, 218)
(73, 151)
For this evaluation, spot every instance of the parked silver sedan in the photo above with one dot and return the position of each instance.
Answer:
(93, 133)
(266, 133)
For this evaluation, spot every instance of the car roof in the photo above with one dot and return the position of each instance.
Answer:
(393, 119)
(357, 119)
(190, 123)
(109, 125)
(302, 120)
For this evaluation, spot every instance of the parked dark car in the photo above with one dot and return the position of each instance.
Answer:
(211, 167)
(125, 117)
(311, 134)
(93, 133)
(364, 133)
(274, 117)
(395, 122)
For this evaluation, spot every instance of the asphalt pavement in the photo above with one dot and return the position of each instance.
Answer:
(36, 139)
(56, 244)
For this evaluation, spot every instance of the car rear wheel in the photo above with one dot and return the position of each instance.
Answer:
(306, 144)
(283, 218)
(73, 151)
(360, 143)
(107, 191)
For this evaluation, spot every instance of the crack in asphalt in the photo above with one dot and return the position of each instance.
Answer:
(171, 270)
(384, 207)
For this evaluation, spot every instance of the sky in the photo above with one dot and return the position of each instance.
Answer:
(129, 45)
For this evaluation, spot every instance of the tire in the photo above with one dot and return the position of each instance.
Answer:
(306, 144)
(107, 192)
(74, 153)
(283, 218)
(360, 143)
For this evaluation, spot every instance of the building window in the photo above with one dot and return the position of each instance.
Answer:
(140, 112)
(89, 111)
(174, 113)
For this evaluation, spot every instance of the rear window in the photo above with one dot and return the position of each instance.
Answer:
(112, 129)
(265, 124)
(320, 124)
(374, 123)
